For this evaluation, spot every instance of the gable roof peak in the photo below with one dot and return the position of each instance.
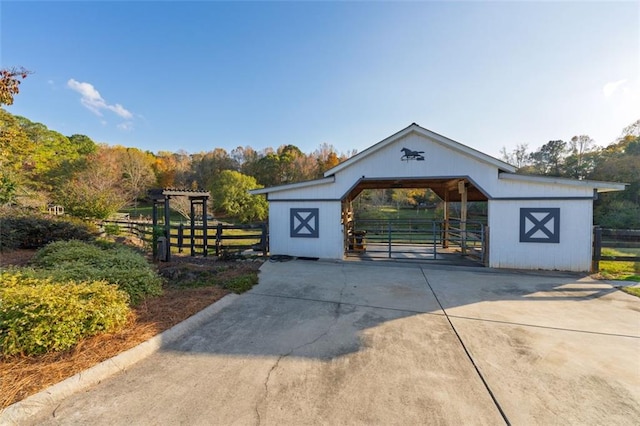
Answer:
(435, 137)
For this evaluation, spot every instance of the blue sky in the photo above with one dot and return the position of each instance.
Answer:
(200, 75)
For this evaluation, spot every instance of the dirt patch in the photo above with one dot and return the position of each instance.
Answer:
(186, 293)
(16, 257)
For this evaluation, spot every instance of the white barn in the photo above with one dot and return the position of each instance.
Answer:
(533, 222)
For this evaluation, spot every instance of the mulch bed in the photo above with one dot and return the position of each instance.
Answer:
(22, 376)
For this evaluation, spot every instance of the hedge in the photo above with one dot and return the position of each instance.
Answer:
(24, 229)
(40, 315)
(113, 263)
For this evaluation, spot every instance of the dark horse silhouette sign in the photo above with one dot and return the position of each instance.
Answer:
(411, 155)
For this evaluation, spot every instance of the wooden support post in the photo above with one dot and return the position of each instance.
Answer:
(445, 219)
(462, 189)
(154, 235)
(205, 247)
(193, 229)
(167, 227)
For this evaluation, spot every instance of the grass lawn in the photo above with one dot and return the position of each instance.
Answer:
(632, 290)
(242, 237)
(388, 212)
(147, 212)
(392, 212)
(622, 271)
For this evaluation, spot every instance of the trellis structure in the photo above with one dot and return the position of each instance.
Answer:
(161, 197)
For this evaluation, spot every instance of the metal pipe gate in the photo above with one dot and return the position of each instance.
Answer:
(416, 239)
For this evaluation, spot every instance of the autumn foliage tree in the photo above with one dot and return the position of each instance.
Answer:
(96, 191)
(16, 148)
(10, 83)
(136, 171)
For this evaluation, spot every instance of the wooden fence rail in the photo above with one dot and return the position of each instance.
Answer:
(615, 239)
(221, 238)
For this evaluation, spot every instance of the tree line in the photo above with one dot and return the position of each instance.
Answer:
(581, 158)
(39, 166)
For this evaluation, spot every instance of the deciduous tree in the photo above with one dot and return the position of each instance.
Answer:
(519, 157)
(136, 169)
(548, 159)
(230, 193)
(207, 166)
(95, 192)
(580, 162)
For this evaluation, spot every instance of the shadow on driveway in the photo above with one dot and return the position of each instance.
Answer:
(366, 343)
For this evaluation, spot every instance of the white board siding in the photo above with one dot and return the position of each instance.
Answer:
(443, 158)
(439, 161)
(572, 253)
(328, 245)
(511, 188)
(386, 163)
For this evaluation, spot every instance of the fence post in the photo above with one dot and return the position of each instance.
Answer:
(263, 239)
(218, 238)
(180, 237)
(192, 236)
(205, 227)
(597, 249)
(435, 242)
(389, 236)
(154, 223)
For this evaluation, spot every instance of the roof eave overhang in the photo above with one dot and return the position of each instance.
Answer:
(594, 184)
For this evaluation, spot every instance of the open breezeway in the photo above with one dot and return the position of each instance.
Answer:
(531, 222)
(348, 343)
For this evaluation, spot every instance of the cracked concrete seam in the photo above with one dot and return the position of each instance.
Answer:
(282, 356)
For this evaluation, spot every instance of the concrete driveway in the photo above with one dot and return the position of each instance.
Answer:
(384, 343)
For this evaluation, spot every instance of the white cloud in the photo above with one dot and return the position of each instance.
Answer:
(126, 126)
(612, 86)
(119, 109)
(93, 101)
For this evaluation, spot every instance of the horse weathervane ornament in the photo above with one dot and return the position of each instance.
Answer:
(411, 155)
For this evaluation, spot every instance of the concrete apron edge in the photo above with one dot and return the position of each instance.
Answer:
(19, 412)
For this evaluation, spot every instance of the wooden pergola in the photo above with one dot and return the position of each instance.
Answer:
(161, 197)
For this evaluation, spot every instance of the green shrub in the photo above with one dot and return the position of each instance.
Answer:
(29, 229)
(242, 283)
(113, 263)
(42, 315)
(112, 229)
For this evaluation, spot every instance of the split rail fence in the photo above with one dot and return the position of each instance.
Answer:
(623, 241)
(220, 238)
